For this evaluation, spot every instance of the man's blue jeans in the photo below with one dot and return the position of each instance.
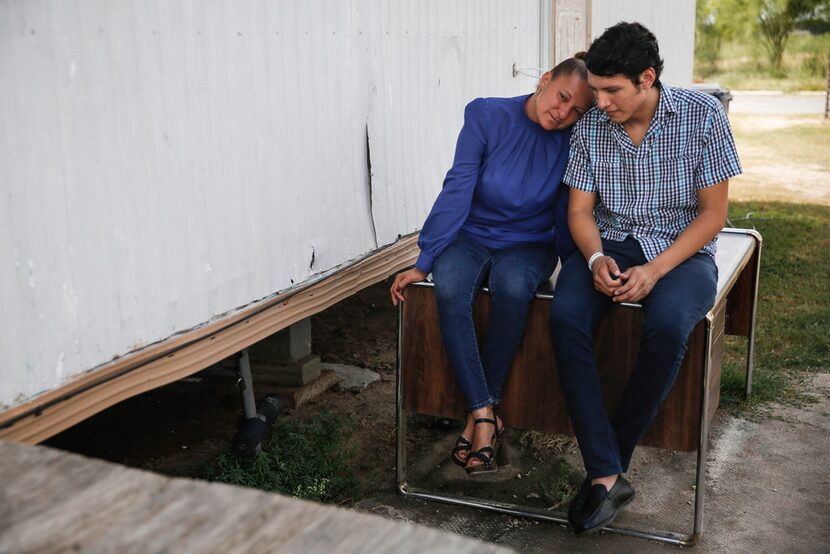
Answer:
(672, 309)
(512, 274)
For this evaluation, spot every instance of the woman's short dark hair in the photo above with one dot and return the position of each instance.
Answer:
(571, 66)
(625, 49)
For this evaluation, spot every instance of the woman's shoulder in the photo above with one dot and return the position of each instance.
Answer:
(496, 109)
(507, 105)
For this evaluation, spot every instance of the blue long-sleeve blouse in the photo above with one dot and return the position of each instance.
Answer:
(504, 187)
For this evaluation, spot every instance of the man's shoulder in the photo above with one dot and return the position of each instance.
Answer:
(696, 102)
(589, 122)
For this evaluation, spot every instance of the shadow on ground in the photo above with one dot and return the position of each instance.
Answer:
(768, 490)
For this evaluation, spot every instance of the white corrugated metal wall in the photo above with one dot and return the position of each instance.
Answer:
(162, 163)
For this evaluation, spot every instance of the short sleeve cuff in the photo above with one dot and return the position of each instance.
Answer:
(724, 173)
(583, 185)
(578, 172)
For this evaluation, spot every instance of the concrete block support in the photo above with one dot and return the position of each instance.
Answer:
(285, 347)
(284, 363)
(295, 374)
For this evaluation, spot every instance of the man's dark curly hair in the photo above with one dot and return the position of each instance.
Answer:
(625, 49)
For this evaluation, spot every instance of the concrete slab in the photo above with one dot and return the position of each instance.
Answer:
(297, 396)
(294, 374)
(352, 378)
(768, 490)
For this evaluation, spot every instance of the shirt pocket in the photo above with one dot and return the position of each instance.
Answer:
(676, 182)
(608, 178)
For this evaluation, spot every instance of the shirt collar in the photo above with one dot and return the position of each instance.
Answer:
(665, 106)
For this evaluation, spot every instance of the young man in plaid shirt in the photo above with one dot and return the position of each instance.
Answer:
(648, 170)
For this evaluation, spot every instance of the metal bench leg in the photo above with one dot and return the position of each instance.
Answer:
(669, 537)
(750, 351)
(400, 416)
(703, 440)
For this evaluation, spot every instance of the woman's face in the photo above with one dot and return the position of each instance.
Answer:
(560, 102)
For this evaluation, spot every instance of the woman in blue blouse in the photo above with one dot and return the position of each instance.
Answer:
(501, 218)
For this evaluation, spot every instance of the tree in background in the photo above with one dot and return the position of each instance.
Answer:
(777, 19)
(708, 37)
(776, 23)
(814, 16)
(769, 24)
(720, 21)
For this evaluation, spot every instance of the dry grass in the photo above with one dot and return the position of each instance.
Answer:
(785, 159)
(547, 445)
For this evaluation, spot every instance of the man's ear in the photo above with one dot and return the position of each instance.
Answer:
(647, 78)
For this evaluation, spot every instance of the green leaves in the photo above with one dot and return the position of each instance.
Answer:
(308, 460)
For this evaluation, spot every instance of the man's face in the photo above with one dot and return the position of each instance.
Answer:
(617, 95)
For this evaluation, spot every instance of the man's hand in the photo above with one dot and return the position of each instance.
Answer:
(402, 280)
(606, 275)
(639, 280)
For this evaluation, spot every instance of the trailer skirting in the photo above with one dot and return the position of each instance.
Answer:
(187, 353)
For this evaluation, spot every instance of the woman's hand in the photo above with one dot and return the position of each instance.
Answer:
(639, 280)
(402, 280)
(606, 275)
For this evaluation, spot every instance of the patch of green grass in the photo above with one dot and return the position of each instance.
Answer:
(306, 459)
(557, 482)
(793, 320)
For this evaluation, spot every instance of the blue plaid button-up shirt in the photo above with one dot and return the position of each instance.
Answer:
(650, 192)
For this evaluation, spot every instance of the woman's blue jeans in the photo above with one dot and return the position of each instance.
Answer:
(672, 309)
(513, 275)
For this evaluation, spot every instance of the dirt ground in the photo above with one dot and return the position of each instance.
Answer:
(764, 125)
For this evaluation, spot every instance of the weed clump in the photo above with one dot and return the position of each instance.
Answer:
(305, 459)
(557, 482)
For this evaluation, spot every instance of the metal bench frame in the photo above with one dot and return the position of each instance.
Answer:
(679, 539)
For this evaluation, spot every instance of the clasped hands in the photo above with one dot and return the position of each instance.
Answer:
(631, 285)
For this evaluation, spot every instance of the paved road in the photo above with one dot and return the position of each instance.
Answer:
(774, 103)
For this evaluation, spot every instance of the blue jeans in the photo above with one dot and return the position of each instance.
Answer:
(513, 274)
(672, 309)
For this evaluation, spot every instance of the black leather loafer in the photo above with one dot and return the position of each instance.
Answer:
(579, 502)
(602, 506)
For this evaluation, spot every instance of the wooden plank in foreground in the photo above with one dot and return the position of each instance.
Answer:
(53, 501)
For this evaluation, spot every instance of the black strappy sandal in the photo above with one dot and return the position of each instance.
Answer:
(461, 445)
(486, 455)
